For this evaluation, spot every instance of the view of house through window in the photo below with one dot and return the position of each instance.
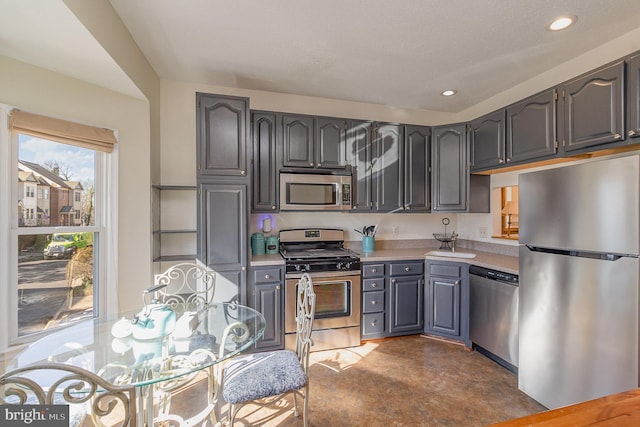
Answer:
(56, 233)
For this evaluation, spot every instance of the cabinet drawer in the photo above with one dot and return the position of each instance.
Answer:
(269, 275)
(373, 270)
(406, 269)
(376, 284)
(373, 302)
(448, 270)
(373, 323)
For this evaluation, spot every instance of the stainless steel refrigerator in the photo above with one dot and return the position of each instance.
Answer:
(579, 268)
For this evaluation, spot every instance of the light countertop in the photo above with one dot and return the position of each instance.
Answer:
(506, 263)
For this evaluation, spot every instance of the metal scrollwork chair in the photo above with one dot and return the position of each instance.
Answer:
(265, 375)
(190, 284)
(57, 383)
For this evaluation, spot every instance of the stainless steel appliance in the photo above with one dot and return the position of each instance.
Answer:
(315, 192)
(493, 315)
(578, 325)
(335, 272)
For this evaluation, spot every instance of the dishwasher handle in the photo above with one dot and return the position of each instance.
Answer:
(499, 276)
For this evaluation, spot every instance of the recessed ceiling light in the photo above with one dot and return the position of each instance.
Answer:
(449, 92)
(562, 22)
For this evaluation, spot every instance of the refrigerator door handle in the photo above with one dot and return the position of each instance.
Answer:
(604, 256)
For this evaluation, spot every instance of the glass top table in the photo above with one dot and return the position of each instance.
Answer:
(102, 346)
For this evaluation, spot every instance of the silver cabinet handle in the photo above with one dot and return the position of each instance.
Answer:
(311, 164)
(267, 276)
(457, 282)
(374, 285)
(631, 133)
(278, 287)
(374, 302)
(393, 281)
(374, 270)
(407, 269)
(617, 136)
(273, 207)
(508, 159)
(501, 161)
(243, 173)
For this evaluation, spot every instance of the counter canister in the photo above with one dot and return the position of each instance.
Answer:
(273, 244)
(257, 244)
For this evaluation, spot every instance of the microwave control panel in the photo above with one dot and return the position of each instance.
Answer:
(346, 194)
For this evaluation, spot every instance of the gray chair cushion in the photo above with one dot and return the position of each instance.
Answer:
(259, 375)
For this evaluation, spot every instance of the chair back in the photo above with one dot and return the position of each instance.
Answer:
(305, 313)
(185, 283)
(57, 383)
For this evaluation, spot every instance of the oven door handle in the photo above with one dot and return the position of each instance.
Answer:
(324, 274)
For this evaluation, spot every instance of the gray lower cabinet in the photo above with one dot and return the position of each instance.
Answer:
(447, 300)
(487, 141)
(406, 283)
(449, 168)
(392, 299)
(374, 298)
(531, 128)
(264, 193)
(417, 169)
(594, 109)
(633, 97)
(266, 294)
(222, 235)
(222, 127)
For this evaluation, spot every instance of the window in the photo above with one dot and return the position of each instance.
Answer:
(54, 270)
(509, 212)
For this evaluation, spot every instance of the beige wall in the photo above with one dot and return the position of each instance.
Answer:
(41, 91)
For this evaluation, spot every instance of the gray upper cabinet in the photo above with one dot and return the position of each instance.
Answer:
(449, 168)
(531, 128)
(264, 192)
(417, 169)
(594, 108)
(314, 142)
(487, 144)
(222, 131)
(359, 154)
(387, 168)
(331, 143)
(633, 96)
(297, 139)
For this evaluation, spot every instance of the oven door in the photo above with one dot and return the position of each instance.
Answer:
(337, 300)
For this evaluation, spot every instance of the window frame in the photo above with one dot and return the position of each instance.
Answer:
(105, 244)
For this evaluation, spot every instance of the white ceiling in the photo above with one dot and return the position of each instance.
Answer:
(399, 53)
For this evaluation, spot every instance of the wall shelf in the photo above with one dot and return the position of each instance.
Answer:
(174, 223)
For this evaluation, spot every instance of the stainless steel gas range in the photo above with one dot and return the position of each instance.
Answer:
(335, 272)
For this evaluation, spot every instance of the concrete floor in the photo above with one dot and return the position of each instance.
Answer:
(407, 381)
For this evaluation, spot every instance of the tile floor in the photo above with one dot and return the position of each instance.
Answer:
(407, 381)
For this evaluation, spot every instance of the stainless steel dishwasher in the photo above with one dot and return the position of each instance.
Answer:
(493, 316)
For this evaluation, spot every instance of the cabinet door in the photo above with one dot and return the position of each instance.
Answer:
(297, 134)
(450, 175)
(268, 300)
(633, 97)
(417, 169)
(406, 304)
(330, 143)
(359, 152)
(444, 306)
(531, 128)
(387, 169)
(265, 174)
(222, 132)
(593, 108)
(487, 144)
(222, 234)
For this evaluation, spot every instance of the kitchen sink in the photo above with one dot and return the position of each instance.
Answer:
(449, 254)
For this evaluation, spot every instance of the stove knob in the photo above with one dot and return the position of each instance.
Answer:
(339, 266)
(298, 266)
(347, 266)
(307, 267)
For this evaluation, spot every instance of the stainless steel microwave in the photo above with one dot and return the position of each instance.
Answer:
(314, 192)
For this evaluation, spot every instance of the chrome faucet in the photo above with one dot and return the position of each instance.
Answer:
(454, 236)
